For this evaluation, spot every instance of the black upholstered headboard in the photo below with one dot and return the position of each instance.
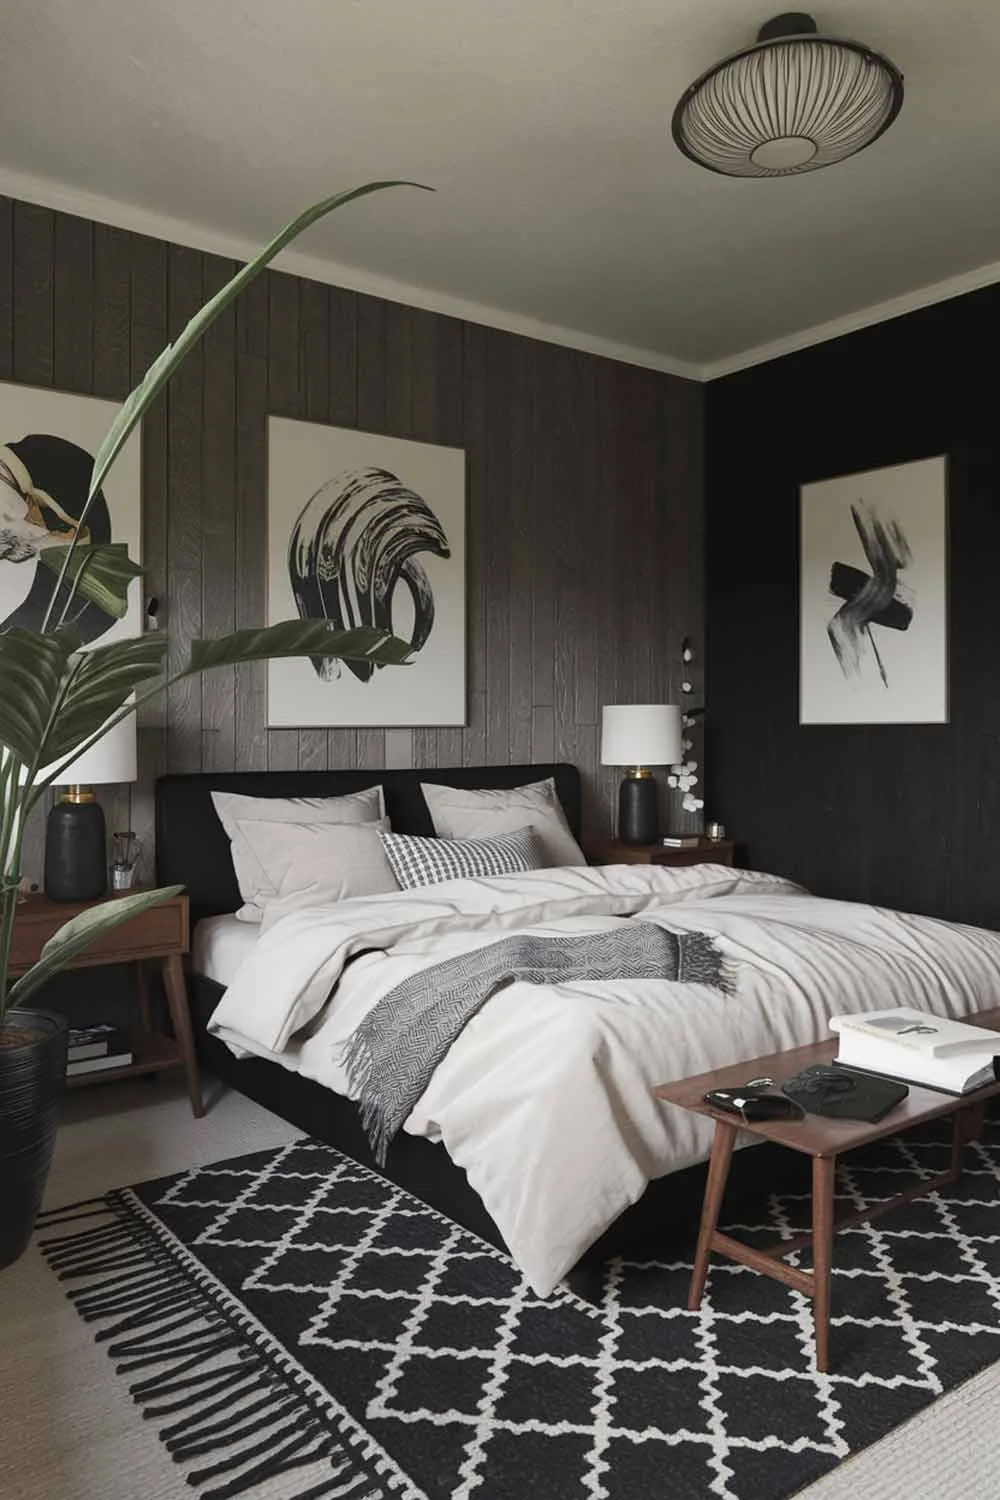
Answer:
(192, 848)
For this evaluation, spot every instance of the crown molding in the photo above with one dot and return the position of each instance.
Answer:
(316, 268)
(865, 317)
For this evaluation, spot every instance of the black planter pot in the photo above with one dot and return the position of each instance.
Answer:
(32, 1075)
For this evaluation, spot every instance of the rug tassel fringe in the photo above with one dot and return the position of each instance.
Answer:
(190, 1388)
(141, 1317)
(70, 1245)
(292, 1456)
(97, 1264)
(201, 1437)
(214, 1394)
(71, 1213)
(139, 1282)
(105, 1306)
(293, 1435)
(209, 1345)
(166, 1338)
(193, 1416)
(331, 1489)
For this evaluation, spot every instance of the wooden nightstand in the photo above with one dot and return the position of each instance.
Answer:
(160, 933)
(708, 852)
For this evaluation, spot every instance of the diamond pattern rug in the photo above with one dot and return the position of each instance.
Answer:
(423, 1360)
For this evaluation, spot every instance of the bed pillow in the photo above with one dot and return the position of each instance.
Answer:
(314, 864)
(418, 861)
(234, 809)
(458, 813)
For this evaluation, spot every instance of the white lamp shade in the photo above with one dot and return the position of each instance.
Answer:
(111, 758)
(641, 734)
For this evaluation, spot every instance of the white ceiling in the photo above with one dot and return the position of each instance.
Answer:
(563, 207)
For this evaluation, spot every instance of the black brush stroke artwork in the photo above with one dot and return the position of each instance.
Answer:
(869, 599)
(353, 544)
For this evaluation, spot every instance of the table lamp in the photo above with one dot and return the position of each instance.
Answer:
(76, 855)
(640, 735)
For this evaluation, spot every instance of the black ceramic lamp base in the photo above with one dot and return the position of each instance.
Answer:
(76, 858)
(638, 810)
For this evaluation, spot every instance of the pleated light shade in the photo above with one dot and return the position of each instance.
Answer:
(793, 102)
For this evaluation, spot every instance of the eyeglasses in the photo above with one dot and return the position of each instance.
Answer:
(828, 1083)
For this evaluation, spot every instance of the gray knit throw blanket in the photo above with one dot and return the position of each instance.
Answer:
(392, 1055)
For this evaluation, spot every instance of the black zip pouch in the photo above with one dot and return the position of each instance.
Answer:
(841, 1094)
(752, 1104)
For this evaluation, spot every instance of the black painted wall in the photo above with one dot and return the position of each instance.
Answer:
(898, 815)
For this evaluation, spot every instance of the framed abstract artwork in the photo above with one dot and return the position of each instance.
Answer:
(873, 597)
(47, 444)
(366, 530)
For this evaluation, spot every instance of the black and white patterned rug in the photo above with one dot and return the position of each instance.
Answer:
(292, 1314)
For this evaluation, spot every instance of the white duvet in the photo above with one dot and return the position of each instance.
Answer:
(545, 1099)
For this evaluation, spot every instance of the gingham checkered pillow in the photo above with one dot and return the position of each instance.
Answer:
(419, 861)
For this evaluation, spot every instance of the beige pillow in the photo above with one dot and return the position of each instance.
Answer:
(460, 813)
(314, 864)
(234, 809)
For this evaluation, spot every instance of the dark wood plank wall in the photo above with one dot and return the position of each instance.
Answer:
(584, 495)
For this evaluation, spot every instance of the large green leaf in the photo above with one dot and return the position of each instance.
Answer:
(102, 573)
(103, 680)
(82, 930)
(32, 671)
(167, 362)
(299, 638)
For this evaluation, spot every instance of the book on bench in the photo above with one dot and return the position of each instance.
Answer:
(921, 1048)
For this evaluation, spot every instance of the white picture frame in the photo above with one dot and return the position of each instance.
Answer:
(364, 529)
(873, 596)
(47, 444)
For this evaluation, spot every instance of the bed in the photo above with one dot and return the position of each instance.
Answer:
(193, 850)
(543, 1100)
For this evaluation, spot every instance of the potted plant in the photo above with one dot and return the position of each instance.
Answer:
(57, 700)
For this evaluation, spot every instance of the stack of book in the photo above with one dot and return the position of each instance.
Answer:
(93, 1048)
(919, 1048)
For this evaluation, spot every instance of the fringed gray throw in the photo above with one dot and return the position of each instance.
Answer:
(392, 1055)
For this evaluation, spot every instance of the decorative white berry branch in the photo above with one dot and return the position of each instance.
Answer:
(682, 776)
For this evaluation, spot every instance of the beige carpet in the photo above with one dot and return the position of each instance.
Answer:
(69, 1433)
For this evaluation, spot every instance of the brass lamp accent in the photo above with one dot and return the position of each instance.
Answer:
(77, 793)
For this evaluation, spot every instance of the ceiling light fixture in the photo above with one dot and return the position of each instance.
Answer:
(793, 102)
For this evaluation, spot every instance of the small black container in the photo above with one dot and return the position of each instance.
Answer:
(32, 1077)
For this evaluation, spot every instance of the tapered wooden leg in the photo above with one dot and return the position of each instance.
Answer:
(824, 1171)
(180, 1015)
(718, 1172)
(959, 1136)
(142, 995)
(966, 1126)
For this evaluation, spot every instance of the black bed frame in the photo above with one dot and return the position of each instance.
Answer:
(192, 850)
